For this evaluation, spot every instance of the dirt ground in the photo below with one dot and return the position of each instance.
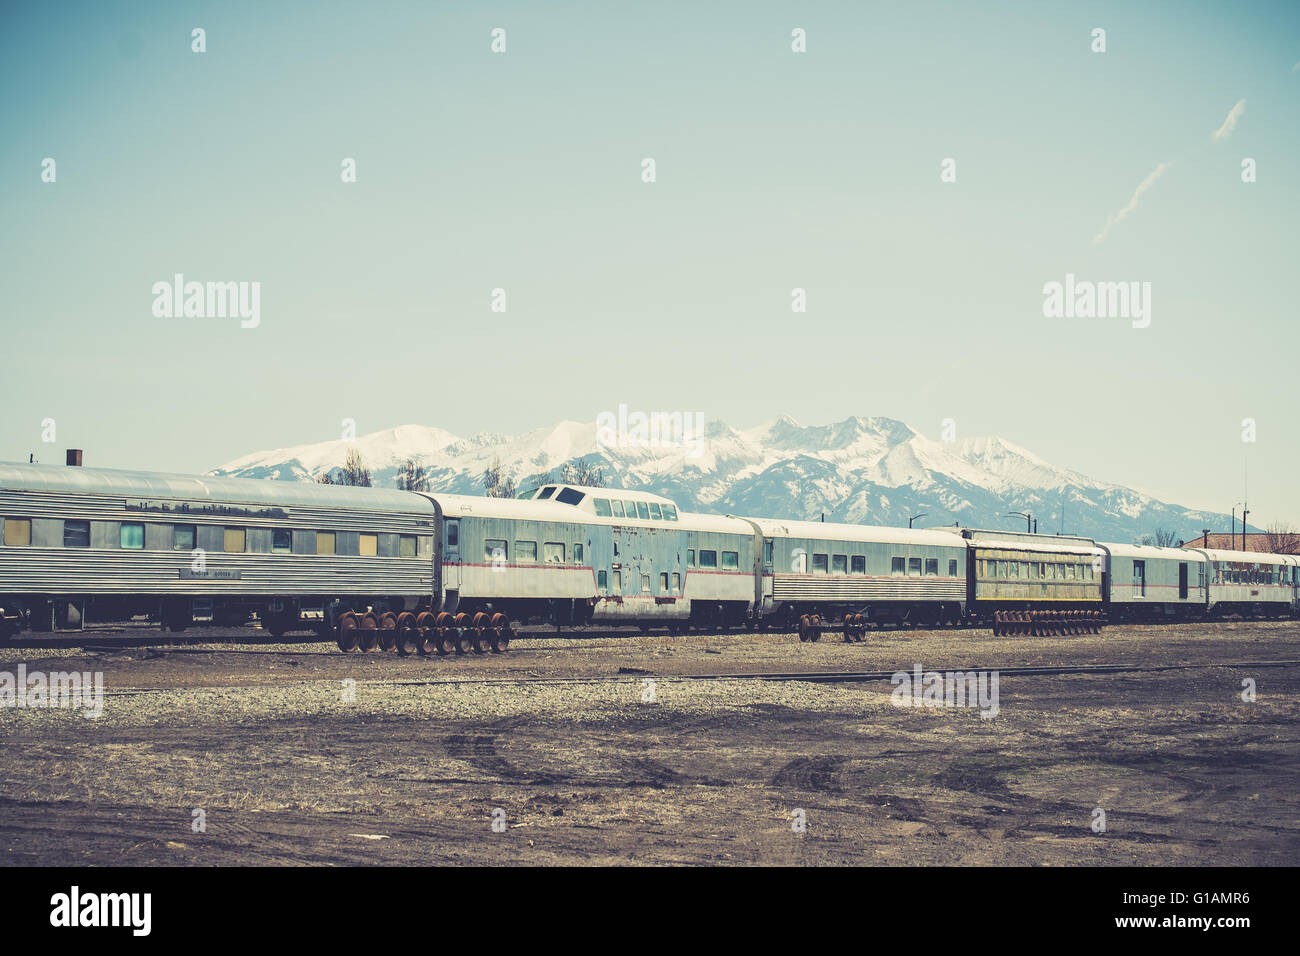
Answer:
(298, 754)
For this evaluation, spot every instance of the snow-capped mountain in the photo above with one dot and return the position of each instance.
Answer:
(860, 470)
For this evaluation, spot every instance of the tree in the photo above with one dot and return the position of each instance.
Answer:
(1282, 540)
(582, 473)
(412, 476)
(495, 485)
(354, 471)
(325, 479)
(1165, 539)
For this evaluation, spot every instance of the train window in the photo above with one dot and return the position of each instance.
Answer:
(183, 537)
(819, 563)
(708, 559)
(897, 565)
(767, 551)
(453, 534)
(495, 551)
(677, 583)
(368, 545)
(1200, 575)
(952, 567)
(643, 511)
(630, 508)
(577, 554)
(132, 535)
(525, 552)
(406, 545)
(76, 534)
(602, 507)
(690, 558)
(324, 542)
(618, 582)
(602, 579)
(932, 566)
(1140, 577)
(858, 564)
(568, 496)
(730, 559)
(645, 584)
(655, 513)
(552, 553)
(839, 564)
(546, 493)
(1013, 569)
(914, 566)
(663, 581)
(618, 508)
(670, 512)
(18, 532)
(1069, 572)
(232, 541)
(281, 540)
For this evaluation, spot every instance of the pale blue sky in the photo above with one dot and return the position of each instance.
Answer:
(775, 170)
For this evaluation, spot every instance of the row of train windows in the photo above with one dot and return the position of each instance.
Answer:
(645, 510)
(1035, 570)
(913, 566)
(184, 537)
(1249, 576)
(709, 559)
(602, 582)
(497, 551)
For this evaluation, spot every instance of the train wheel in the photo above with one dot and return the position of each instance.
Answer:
(803, 628)
(407, 644)
(369, 631)
(388, 632)
(426, 636)
(480, 624)
(446, 634)
(461, 629)
(500, 633)
(848, 628)
(348, 638)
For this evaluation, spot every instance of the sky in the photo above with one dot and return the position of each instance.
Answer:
(774, 170)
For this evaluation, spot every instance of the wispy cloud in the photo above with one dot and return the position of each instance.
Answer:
(1143, 186)
(1230, 123)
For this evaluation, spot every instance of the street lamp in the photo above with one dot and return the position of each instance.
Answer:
(1029, 521)
(913, 518)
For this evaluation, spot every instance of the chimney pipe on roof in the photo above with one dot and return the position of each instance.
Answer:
(74, 457)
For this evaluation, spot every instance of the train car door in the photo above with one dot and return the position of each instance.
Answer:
(766, 578)
(1182, 581)
(451, 553)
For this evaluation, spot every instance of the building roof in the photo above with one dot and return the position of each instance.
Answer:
(1275, 543)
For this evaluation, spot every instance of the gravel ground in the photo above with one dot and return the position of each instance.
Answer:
(261, 739)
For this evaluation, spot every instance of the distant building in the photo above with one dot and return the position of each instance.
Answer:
(1272, 542)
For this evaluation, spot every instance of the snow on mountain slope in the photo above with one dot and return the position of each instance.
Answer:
(861, 470)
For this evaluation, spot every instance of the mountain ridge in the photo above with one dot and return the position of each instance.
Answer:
(861, 470)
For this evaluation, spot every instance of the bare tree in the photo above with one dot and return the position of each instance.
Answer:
(354, 471)
(325, 479)
(1165, 539)
(495, 484)
(1281, 539)
(582, 473)
(412, 476)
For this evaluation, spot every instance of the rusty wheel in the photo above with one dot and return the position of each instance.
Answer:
(500, 633)
(369, 631)
(347, 632)
(407, 639)
(446, 635)
(425, 636)
(464, 636)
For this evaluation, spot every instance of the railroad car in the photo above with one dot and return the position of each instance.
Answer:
(1011, 571)
(888, 575)
(1249, 583)
(1149, 583)
(182, 548)
(574, 555)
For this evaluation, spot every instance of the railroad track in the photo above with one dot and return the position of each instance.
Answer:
(627, 675)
